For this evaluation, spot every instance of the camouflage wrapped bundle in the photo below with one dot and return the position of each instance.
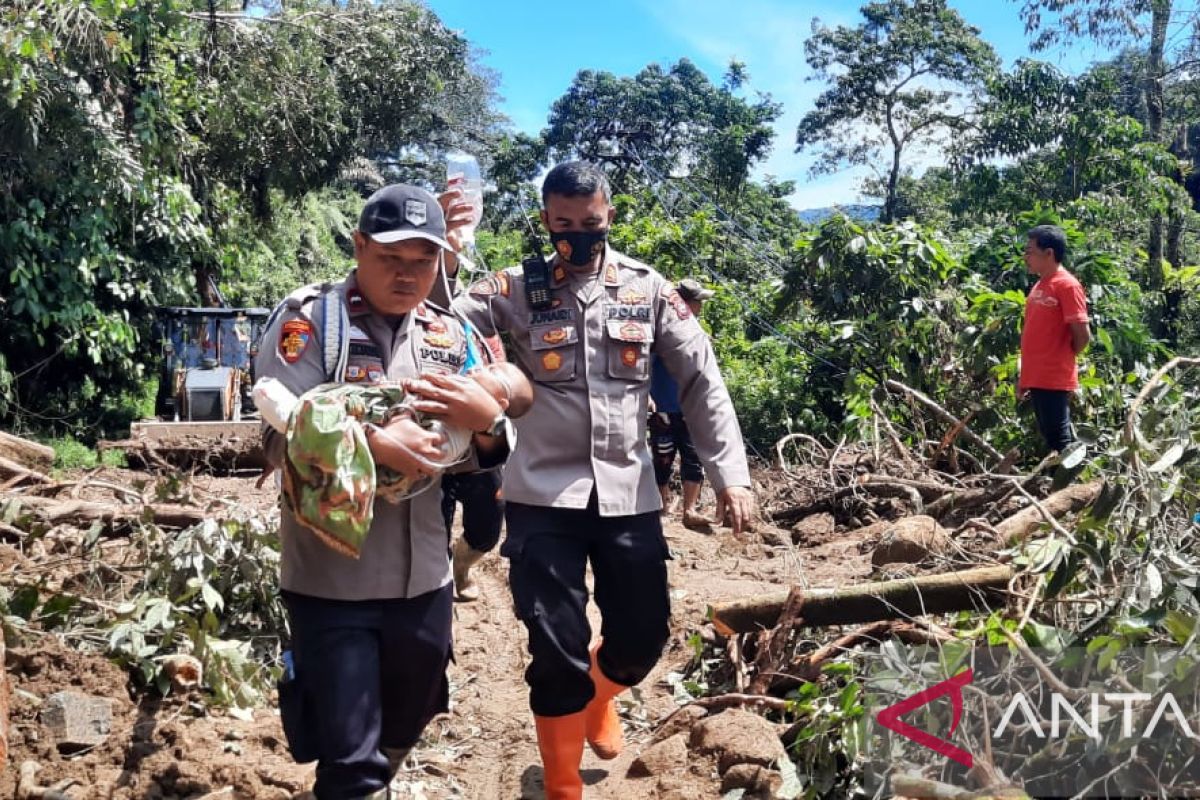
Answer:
(330, 480)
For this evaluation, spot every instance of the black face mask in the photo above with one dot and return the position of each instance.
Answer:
(579, 247)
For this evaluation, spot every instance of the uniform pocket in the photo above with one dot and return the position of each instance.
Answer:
(554, 348)
(628, 345)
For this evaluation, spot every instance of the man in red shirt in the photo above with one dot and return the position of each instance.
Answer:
(1055, 332)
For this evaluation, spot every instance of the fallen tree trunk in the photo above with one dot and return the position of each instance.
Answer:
(971, 589)
(918, 787)
(84, 512)
(1019, 526)
(28, 454)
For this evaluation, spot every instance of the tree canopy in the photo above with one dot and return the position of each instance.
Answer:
(898, 81)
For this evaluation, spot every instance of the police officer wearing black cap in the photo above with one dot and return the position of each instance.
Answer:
(371, 637)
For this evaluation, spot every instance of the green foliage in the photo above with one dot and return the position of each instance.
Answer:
(72, 454)
(145, 149)
(211, 590)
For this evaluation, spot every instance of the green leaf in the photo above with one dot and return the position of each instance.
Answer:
(55, 610)
(1111, 651)
(23, 602)
(1181, 626)
(212, 598)
(792, 786)
(1173, 454)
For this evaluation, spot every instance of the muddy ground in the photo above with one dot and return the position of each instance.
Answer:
(484, 748)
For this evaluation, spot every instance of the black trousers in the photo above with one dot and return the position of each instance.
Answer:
(372, 674)
(1053, 411)
(665, 442)
(549, 550)
(483, 507)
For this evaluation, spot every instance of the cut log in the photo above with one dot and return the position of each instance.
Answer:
(30, 455)
(917, 787)
(83, 513)
(973, 589)
(1020, 525)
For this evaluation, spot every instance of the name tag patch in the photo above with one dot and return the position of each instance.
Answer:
(640, 313)
(551, 315)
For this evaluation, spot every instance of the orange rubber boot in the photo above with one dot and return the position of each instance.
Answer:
(560, 741)
(604, 733)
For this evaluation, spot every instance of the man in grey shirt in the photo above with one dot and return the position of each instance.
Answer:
(371, 636)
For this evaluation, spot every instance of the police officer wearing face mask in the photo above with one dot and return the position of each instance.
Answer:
(580, 484)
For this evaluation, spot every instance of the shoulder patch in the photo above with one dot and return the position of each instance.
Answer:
(632, 263)
(678, 304)
(294, 336)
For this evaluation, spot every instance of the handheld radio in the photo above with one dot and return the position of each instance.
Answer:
(536, 271)
(537, 282)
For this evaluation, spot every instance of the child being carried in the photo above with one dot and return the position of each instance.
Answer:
(330, 477)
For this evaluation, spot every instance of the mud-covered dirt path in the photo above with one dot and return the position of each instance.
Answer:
(483, 749)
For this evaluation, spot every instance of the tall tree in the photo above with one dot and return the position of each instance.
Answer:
(1113, 22)
(662, 123)
(897, 81)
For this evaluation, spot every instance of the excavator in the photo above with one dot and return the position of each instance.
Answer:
(205, 414)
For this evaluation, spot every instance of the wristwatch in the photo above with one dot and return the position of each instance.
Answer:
(499, 426)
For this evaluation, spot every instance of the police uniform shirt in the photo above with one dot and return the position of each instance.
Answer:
(589, 357)
(404, 554)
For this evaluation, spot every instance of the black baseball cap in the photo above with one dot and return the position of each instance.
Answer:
(400, 211)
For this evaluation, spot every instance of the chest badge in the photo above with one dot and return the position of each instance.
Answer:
(632, 332)
(629, 355)
(551, 361)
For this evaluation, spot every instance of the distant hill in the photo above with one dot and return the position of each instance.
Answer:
(862, 213)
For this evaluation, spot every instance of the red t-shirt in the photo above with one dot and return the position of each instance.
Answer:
(1047, 358)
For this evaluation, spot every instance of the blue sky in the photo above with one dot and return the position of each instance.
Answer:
(537, 47)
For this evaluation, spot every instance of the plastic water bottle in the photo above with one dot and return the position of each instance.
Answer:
(462, 172)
